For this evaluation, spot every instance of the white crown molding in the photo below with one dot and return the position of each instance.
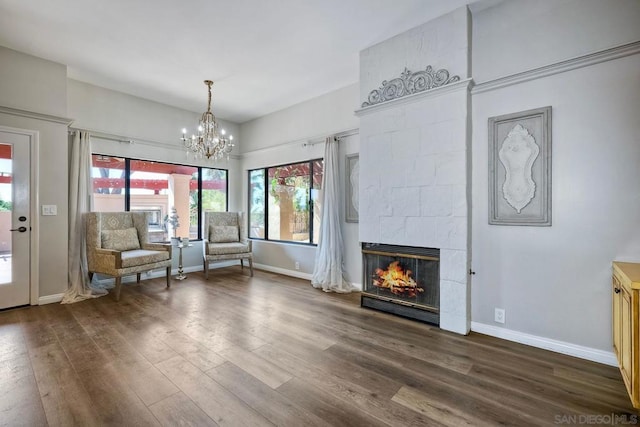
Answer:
(559, 67)
(431, 93)
(588, 353)
(34, 115)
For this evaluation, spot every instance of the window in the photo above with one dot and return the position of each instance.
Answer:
(121, 184)
(214, 189)
(283, 202)
(256, 203)
(108, 183)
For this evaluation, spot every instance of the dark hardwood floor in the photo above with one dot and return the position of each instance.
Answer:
(271, 350)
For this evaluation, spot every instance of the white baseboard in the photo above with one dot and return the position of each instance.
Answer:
(293, 273)
(283, 271)
(588, 353)
(50, 299)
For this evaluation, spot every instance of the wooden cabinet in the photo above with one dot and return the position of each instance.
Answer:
(626, 299)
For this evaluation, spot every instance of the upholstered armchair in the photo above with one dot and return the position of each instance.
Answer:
(226, 239)
(118, 245)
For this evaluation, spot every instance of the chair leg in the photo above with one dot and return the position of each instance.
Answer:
(241, 264)
(90, 277)
(118, 287)
(251, 266)
(206, 269)
(138, 277)
(168, 277)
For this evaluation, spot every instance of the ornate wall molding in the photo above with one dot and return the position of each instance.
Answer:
(462, 85)
(409, 83)
(621, 51)
(519, 151)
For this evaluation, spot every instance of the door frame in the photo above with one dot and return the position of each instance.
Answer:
(34, 241)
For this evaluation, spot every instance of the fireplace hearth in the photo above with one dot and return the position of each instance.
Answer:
(402, 280)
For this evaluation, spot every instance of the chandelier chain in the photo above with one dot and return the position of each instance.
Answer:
(209, 83)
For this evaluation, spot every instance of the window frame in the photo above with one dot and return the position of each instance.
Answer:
(310, 202)
(127, 184)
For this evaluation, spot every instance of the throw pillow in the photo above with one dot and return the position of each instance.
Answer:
(120, 240)
(223, 234)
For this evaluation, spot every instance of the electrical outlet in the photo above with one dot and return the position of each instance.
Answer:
(499, 315)
(297, 265)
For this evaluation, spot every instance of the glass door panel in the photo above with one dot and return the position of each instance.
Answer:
(6, 209)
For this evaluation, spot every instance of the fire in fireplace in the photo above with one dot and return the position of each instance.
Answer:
(402, 280)
(397, 280)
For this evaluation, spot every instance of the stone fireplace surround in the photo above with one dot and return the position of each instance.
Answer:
(413, 185)
(415, 154)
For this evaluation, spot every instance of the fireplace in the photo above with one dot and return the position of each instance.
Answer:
(403, 280)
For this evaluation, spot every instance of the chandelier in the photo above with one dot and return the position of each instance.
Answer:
(208, 142)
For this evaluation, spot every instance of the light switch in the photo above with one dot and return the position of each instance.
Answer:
(49, 210)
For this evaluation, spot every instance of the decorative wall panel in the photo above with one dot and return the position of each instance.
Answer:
(520, 168)
(352, 198)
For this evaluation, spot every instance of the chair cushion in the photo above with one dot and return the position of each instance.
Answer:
(222, 218)
(223, 234)
(227, 248)
(142, 256)
(120, 240)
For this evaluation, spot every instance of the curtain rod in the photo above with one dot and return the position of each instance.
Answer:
(338, 136)
(126, 140)
(106, 138)
(101, 135)
(123, 139)
(305, 142)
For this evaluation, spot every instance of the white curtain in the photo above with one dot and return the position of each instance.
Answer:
(79, 203)
(328, 272)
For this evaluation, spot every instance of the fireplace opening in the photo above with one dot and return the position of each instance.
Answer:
(402, 280)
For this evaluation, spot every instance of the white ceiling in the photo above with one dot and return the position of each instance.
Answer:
(264, 55)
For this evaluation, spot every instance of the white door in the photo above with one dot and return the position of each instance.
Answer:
(15, 228)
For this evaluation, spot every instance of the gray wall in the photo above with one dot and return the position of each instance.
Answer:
(109, 111)
(155, 129)
(554, 282)
(40, 86)
(518, 35)
(278, 138)
(32, 84)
